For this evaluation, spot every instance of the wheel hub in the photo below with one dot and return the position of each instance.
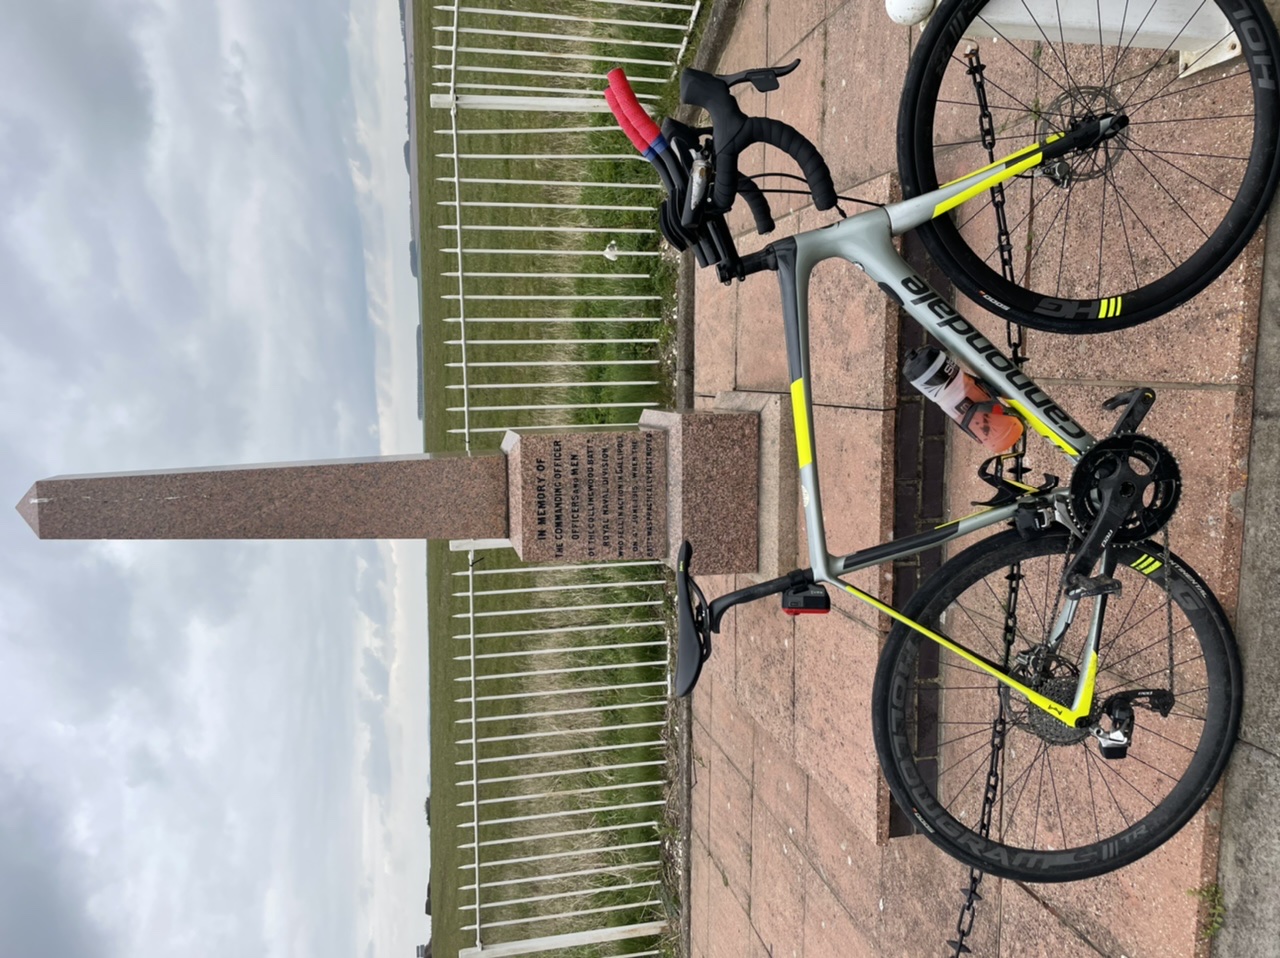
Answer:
(1069, 109)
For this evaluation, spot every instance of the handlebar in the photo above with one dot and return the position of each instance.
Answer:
(674, 151)
(626, 107)
(734, 131)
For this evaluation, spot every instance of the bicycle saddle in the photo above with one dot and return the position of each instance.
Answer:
(693, 621)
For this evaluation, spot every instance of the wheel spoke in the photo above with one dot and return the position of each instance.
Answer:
(1163, 54)
(1159, 155)
(1161, 92)
(1141, 222)
(1200, 86)
(1022, 53)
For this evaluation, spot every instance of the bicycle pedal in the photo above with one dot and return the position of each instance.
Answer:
(1080, 586)
(806, 600)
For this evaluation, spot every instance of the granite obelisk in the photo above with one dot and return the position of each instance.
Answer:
(439, 496)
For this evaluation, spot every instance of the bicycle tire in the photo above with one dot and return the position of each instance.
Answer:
(1156, 218)
(1090, 815)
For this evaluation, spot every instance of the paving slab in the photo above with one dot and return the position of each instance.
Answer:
(781, 787)
(1029, 929)
(762, 357)
(699, 892)
(730, 926)
(846, 859)
(866, 56)
(830, 931)
(766, 655)
(729, 833)
(715, 335)
(834, 669)
(779, 877)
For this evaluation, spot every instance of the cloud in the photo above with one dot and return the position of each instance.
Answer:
(42, 899)
(195, 269)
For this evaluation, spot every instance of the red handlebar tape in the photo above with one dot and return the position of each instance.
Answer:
(624, 104)
(624, 122)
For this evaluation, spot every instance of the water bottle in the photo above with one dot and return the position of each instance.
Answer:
(962, 397)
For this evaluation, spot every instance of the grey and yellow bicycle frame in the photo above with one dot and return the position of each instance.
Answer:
(866, 241)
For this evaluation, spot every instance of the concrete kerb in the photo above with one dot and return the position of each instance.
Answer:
(720, 24)
(1249, 863)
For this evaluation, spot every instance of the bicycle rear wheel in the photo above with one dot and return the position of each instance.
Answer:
(1121, 233)
(1059, 810)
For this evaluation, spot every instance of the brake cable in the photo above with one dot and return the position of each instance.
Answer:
(801, 179)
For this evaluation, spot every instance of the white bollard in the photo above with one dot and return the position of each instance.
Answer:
(909, 12)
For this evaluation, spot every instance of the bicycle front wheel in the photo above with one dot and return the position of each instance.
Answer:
(1056, 809)
(1118, 234)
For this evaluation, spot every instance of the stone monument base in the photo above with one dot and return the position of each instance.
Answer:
(638, 493)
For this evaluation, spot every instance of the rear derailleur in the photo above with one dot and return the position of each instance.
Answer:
(1114, 743)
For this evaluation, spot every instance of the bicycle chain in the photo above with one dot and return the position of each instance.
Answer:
(969, 910)
(1168, 606)
(1016, 466)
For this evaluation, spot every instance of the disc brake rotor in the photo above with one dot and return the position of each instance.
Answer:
(1068, 110)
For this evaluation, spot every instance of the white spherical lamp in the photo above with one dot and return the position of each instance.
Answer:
(908, 12)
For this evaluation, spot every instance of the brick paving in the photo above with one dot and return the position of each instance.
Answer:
(791, 847)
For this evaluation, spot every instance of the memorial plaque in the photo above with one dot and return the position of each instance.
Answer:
(588, 496)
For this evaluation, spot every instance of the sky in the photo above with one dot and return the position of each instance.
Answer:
(213, 748)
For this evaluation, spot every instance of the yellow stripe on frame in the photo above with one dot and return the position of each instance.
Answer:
(1041, 428)
(991, 166)
(997, 177)
(972, 515)
(1033, 148)
(804, 446)
(1062, 713)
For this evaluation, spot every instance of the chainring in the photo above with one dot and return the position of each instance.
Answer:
(1147, 458)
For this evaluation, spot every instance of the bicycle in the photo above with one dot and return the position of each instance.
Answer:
(1073, 645)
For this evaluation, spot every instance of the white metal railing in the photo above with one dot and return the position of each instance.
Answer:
(562, 668)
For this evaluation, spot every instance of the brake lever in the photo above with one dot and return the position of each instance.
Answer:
(764, 79)
(699, 180)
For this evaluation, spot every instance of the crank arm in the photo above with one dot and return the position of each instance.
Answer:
(1137, 403)
(1119, 492)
